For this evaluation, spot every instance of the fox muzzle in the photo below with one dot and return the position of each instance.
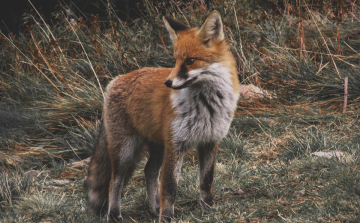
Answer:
(168, 83)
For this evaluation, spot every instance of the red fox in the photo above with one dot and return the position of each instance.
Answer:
(168, 111)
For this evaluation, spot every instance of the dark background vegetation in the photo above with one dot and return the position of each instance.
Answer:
(290, 156)
(11, 15)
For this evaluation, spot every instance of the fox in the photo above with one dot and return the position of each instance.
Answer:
(168, 111)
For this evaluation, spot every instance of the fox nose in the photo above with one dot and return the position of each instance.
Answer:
(168, 83)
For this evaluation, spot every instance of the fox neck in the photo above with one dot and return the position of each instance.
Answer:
(204, 110)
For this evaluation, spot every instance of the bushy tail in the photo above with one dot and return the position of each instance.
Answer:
(97, 182)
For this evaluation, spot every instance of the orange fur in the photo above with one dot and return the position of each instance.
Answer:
(148, 107)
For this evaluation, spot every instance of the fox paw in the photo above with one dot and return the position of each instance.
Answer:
(114, 216)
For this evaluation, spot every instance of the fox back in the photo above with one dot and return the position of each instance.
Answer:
(168, 111)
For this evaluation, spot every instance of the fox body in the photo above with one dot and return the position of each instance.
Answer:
(194, 108)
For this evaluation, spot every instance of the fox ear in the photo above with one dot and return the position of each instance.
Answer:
(212, 29)
(173, 27)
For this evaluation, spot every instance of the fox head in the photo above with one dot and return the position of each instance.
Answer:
(196, 49)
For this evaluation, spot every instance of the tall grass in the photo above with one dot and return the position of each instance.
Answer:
(53, 77)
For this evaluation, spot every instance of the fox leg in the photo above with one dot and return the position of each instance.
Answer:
(170, 174)
(152, 172)
(122, 164)
(207, 158)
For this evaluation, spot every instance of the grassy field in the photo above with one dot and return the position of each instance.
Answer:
(292, 156)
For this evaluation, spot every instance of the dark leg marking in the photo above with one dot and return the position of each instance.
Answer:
(152, 172)
(207, 157)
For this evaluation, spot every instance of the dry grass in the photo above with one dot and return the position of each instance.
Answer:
(51, 84)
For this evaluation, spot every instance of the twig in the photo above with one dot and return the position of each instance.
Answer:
(345, 94)
(350, 47)
(338, 39)
(322, 67)
(302, 39)
(73, 150)
(132, 219)
(281, 216)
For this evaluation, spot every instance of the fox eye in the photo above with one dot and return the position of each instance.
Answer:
(189, 61)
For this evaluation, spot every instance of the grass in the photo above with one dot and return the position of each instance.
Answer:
(52, 78)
